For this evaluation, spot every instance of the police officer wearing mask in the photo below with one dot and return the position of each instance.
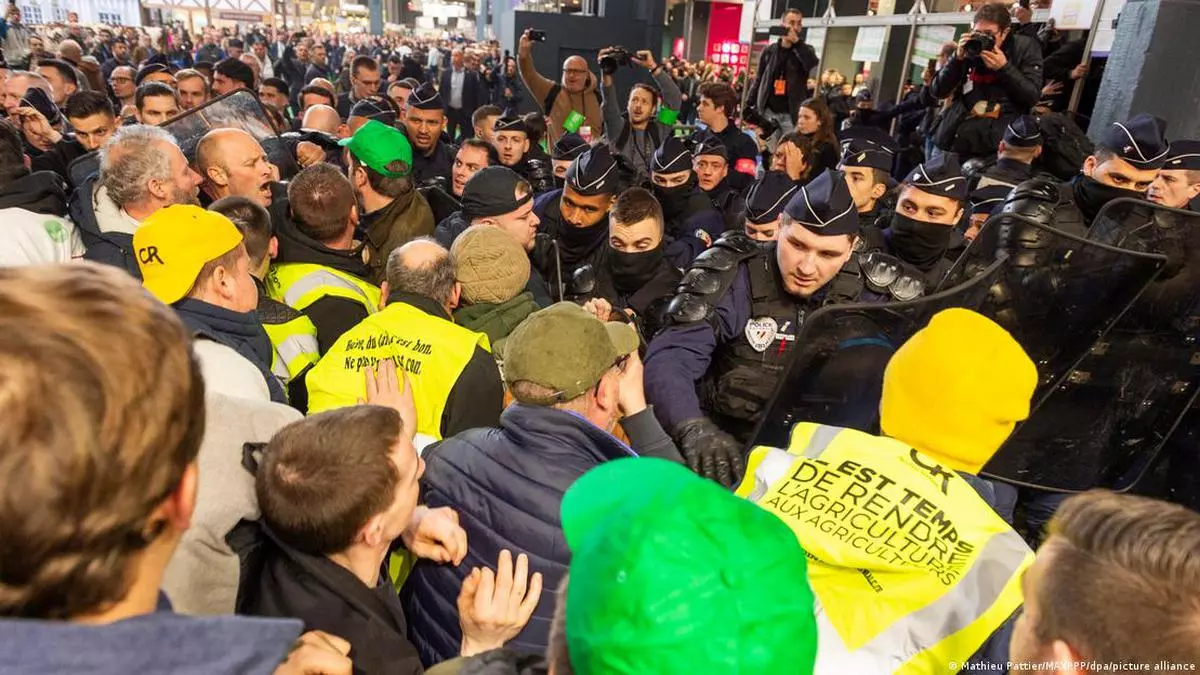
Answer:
(764, 206)
(1178, 183)
(867, 158)
(433, 157)
(634, 276)
(909, 257)
(1124, 164)
(691, 221)
(575, 218)
(711, 163)
(735, 320)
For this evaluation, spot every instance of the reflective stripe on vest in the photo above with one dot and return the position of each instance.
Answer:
(299, 285)
(889, 529)
(432, 350)
(295, 344)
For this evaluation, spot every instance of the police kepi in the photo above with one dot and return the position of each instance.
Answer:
(867, 158)
(690, 219)
(735, 321)
(765, 201)
(1178, 182)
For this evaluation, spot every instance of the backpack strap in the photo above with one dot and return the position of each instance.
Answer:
(549, 102)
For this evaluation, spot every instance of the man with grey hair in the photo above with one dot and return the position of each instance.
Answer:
(88, 73)
(454, 378)
(142, 170)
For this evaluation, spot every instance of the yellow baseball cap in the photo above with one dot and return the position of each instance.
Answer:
(175, 243)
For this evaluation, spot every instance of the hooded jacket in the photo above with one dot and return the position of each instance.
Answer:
(389, 228)
(241, 332)
(497, 321)
(106, 231)
(32, 227)
(332, 315)
(586, 102)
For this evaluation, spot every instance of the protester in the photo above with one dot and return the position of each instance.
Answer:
(233, 163)
(155, 103)
(483, 120)
(123, 88)
(364, 79)
(493, 271)
(473, 155)
(33, 209)
(577, 93)
(573, 378)
(92, 121)
(231, 75)
(62, 78)
(193, 88)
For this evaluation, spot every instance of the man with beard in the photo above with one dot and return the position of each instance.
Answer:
(426, 114)
(764, 206)
(142, 170)
(379, 165)
(732, 327)
(928, 207)
(711, 163)
(635, 134)
(575, 218)
(691, 221)
(634, 276)
(1125, 163)
(867, 161)
(1178, 182)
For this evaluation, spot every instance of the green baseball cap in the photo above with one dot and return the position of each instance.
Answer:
(566, 349)
(377, 145)
(671, 574)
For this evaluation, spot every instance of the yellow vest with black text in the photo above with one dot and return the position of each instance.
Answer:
(430, 349)
(911, 568)
(299, 285)
(295, 343)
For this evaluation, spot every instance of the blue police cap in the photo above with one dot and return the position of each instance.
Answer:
(1141, 141)
(425, 97)
(869, 147)
(711, 146)
(671, 157)
(1023, 132)
(374, 108)
(594, 172)
(766, 199)
(940, 176)
(568, 146)
(511, 123)
(1184, 156)
(824, 206)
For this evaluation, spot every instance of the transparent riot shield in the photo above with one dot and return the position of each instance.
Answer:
(1105, 420)
(237, 110)
(836, 372)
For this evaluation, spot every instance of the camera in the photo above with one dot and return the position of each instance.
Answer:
(536, 35)
(979, 43)
(540, 175)
(767, 127)
(615, 58)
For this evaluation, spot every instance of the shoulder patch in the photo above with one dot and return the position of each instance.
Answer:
(703, 236)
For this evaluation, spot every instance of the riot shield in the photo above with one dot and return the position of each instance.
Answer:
(835, 375)
(237, 110)
(1104, 422)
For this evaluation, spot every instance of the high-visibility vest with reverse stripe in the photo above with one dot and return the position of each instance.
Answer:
(299, 285)
(911, 568)
(295, 343)
(430, 349)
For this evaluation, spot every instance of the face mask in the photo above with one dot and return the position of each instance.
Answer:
(1091, 195)
(674, 199)
(919, 243)
(631, 271)
(577, 242)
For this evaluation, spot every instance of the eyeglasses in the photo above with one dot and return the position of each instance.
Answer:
(577, 71)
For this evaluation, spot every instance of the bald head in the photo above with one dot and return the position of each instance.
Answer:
(322, 118)
(324, 84)
(576, 76)
(233, 164)
(423, 267)
(69, 50)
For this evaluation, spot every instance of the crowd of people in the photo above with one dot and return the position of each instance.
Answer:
(387, 373)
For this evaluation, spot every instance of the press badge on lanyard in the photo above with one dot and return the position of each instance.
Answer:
(781, 87)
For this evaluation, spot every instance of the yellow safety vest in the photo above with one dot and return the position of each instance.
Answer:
(299, 285)
(912, 570)
(432, 350)
(295, 343)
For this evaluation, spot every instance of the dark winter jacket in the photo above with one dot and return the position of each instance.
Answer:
(796, 74)
(389, 228)
(37, 192)
(58, 158)
(110, 247)
(497, 321)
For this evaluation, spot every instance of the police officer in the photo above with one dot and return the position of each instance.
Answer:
(909, 257)
(1123, 165)
(710, 160)
(867, 158)
(691, 221)
(424, 118)
(574, 220)
(736, 317)
(565, 150)
(1178, 183)
(765, 201)
(515, 150)
(989, 185)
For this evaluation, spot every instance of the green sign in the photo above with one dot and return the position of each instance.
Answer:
(573, 122)
(667, 116)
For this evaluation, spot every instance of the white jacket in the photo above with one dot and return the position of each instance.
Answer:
(28, 238)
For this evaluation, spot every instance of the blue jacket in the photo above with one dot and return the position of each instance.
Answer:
(506, 485)
(697, 232)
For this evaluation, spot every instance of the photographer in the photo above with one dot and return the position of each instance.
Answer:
(994, 77)
(636, 134)
(576, 92)
(781, 82)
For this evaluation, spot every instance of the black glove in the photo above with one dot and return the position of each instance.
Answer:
(710, 452)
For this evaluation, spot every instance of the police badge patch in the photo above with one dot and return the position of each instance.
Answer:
(760, 333)
(703, 236)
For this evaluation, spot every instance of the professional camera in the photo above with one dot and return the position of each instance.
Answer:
(767, 127)
(615, 58)
(979, 43)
